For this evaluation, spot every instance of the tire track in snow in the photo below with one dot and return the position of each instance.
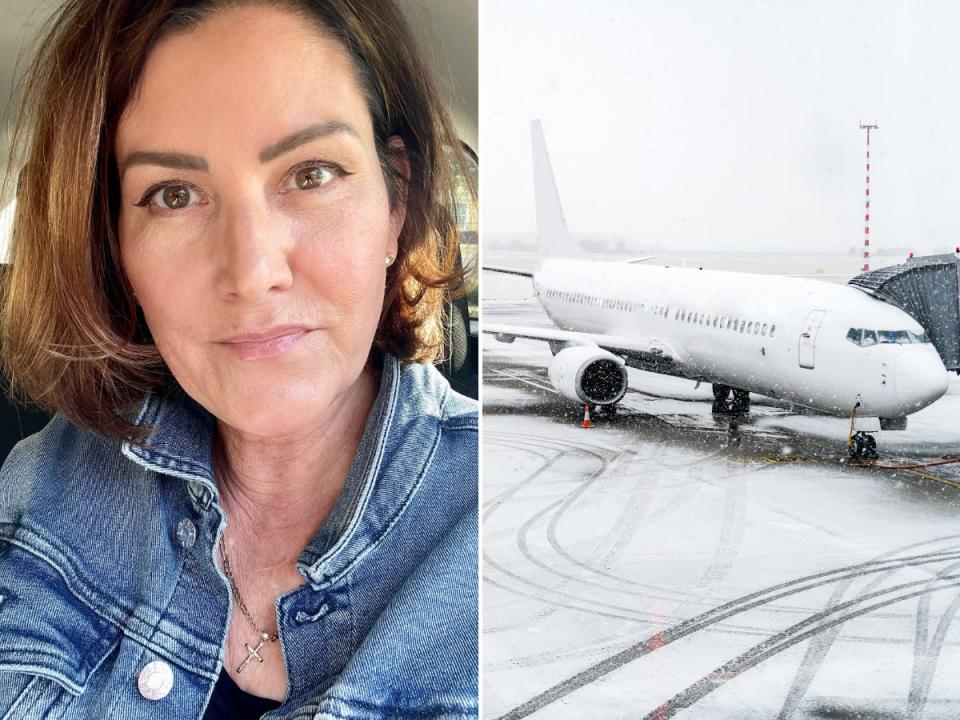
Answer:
(712, 618)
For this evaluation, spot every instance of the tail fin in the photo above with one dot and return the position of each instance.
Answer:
(553, 239)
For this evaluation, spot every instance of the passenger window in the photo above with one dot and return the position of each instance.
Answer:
(750, 326)
(763, 330)
(772, 328)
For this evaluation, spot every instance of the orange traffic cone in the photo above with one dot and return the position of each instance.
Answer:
(586, 416)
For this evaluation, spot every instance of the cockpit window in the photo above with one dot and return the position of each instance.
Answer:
(899, 337)
(865, 338)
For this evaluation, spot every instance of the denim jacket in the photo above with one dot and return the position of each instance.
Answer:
(107, 567)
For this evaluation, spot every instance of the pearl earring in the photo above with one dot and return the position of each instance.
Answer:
(390, 258)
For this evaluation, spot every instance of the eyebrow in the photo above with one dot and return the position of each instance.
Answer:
(182, 161)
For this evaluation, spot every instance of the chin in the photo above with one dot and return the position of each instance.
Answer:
(272, 410)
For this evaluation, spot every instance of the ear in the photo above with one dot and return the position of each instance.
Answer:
(397, 157)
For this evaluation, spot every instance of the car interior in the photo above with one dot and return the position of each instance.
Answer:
(447, 34)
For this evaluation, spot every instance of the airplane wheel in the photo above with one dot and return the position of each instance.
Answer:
(721, 405)
(863, 446)
(741, 402)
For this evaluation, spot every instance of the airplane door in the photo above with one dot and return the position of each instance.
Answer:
(808, 337)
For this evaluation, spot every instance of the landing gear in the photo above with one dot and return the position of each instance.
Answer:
(720, 395)
(721, 404)
(862, 446)
(741, 402)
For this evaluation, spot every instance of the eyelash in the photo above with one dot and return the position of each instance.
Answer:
(147, 199)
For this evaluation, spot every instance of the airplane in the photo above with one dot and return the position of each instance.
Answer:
(827, 347)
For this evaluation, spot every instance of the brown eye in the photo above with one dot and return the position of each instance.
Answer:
(174, 197)
(311, 177)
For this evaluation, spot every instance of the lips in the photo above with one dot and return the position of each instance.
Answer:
(265, 343)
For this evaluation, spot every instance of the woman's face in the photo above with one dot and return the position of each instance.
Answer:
(255, 220)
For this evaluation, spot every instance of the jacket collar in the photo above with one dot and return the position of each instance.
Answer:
(385, 472)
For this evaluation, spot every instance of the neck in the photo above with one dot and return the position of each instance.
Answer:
(278, 491)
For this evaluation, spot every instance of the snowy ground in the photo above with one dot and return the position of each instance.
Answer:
(657, 565)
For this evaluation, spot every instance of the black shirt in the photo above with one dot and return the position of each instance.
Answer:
(229, 702)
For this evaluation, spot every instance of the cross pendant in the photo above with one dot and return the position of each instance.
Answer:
(254, 653)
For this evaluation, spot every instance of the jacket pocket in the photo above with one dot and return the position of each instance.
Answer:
(51, 641)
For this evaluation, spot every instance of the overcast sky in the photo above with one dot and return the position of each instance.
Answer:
(726, 125)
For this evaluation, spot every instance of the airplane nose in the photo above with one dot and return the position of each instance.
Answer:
(921, 380)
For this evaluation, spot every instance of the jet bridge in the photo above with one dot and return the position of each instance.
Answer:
(928, 289)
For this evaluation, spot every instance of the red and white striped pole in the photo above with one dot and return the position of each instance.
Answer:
(866, 213)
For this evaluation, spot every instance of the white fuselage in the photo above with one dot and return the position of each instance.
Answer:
(778, 336)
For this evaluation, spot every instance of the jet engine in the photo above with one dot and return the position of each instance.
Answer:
(588, 374)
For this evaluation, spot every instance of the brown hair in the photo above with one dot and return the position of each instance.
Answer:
(73, 340)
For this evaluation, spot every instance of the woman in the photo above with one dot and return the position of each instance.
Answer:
(233, 241)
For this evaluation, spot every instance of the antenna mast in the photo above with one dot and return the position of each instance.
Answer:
(866, 214)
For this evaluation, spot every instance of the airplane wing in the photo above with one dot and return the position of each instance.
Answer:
(508, 271)
(646, 353)
(631, 261)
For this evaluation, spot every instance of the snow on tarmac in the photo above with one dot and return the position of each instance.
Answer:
(665, 564)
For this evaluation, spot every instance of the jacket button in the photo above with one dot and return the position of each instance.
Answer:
(155, 681)
(187, 533)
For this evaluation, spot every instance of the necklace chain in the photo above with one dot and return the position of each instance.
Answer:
(236, 594)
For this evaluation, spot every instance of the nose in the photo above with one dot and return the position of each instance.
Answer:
(921, 378)
(254, 255)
